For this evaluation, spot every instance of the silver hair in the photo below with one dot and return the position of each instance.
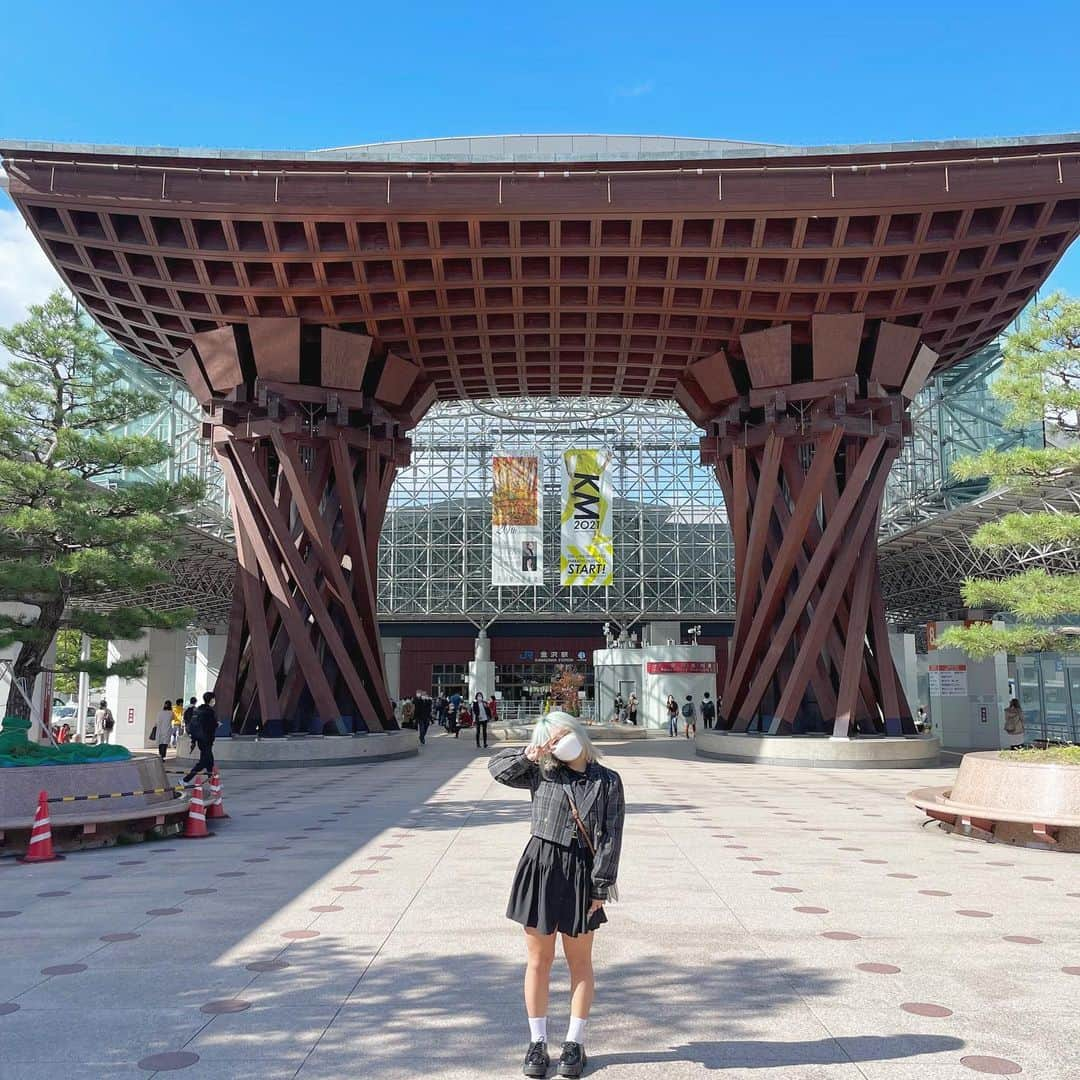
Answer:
(555, 721)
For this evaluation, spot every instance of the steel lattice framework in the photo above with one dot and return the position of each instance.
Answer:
(673, 553)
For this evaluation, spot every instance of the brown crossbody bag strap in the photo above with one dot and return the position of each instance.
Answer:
(580, 824)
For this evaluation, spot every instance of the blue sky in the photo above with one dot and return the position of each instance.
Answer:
(261, 75)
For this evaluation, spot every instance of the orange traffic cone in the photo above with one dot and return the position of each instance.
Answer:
(215, 808)
(195, 827)
(40, 848)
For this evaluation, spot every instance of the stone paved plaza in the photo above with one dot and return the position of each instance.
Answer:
(349, 922)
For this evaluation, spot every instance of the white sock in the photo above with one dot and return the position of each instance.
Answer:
(576, 1031)
(538, 1028)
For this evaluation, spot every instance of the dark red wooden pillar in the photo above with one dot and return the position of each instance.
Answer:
(309, 427)
(802, 436)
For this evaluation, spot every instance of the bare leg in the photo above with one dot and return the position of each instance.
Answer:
(541, 949)
(578, 952)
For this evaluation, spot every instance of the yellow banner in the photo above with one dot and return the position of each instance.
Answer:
(587, 550)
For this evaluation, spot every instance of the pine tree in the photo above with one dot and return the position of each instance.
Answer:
(64, 531)
(1040, 382)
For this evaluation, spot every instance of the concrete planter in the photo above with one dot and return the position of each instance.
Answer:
(86, 823)
(821, 751)
(1036, 803)
(248, 752)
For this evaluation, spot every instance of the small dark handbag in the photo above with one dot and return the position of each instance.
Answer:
(613, 892)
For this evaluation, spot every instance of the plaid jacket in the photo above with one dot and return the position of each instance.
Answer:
(602, 808)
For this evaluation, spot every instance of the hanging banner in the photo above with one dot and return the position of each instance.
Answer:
(587, 549)
(517, 522)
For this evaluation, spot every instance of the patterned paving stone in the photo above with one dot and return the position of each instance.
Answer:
(267, 965)
(225, 1006)
(993, 1065)
(924, 1008)
(879, 969)
(63, 969)
(300, 935)
(841, 935)
(119, 937)
(176, 1059)
(165, 911)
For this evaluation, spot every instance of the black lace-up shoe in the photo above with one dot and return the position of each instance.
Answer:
(573, 1060)
(537, 1060)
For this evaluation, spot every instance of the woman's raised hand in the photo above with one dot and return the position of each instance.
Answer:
(535, 753)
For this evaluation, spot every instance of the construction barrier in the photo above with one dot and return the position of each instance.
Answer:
(40, 848)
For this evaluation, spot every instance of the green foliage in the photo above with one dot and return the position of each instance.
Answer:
(1019, 530)
(1033, 594)
(1057, 755)
(1040, 382)
(1041, 374)
(64, 530)
(1020, 467)
(981, 641)
(68, 664)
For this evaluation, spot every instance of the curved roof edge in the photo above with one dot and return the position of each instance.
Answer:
(456, 150)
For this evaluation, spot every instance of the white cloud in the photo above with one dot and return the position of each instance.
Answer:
(25, 274)
(638, 90)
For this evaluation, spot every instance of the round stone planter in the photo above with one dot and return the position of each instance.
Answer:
(821, 751)
(1035, 803)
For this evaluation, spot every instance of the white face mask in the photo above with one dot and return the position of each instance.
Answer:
(568, 747)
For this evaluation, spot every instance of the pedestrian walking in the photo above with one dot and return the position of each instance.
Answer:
(617, 709)
(104, 722)
(566, 874)
(672, 707)
(204, 726)
(423, 716)
(708, 710)
(689, 712)
(162, 731)
(1014, 724)
(481, 712)
(442, 709)
(177, 720)
(493, 708)
(631, 709)
(189, 723)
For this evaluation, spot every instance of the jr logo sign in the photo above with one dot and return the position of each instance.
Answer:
(586, 550)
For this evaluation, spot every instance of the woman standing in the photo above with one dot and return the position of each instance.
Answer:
(672, 707)
(566, 874)
(631, 709)
(481, 713)
(163, 729)
(1014, 723)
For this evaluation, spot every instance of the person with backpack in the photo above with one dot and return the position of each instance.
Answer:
(708, 710)
(189, 723)
(672, 707)
(104, 722)
(204, 727)
(689, 711)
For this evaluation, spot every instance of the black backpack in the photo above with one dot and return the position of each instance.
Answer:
(708, 710)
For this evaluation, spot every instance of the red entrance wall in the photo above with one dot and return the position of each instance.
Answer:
(418, 654)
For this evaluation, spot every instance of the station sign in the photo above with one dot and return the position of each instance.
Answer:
(681, 667)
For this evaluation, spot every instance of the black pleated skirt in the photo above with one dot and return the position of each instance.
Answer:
(552, 889)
